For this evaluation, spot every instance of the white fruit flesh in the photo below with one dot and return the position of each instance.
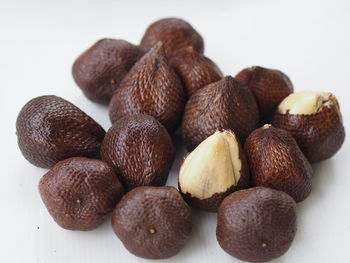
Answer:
(306, 102)
(213, 167)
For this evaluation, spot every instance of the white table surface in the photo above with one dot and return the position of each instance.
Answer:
(39, 40)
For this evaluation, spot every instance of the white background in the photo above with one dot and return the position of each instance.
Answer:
(39, 40)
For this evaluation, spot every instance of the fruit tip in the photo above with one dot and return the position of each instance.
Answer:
(158, 45)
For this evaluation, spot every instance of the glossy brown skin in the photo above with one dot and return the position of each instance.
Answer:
(212, 204)
(222, 105)
(153, 222)
(257, 224)
(269, 87)
(151, 87)
(276, 161)
(79, 193)
(140, 149)
(194, 69)
(51, 129)
(174, 33)
(318, 135)
(100, 69)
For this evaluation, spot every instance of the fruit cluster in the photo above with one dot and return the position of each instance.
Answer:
(251, 176)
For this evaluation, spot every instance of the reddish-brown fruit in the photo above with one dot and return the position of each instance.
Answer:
(174, 33)
(100, 69)
(315, 121)
(276, 161)
(194, 69)
(151, 87)
(153, 222)
(79, 193)
(216, 168)
(269, 87)
(222, 105)
(140, 149)
(51, 129)
(257, 224)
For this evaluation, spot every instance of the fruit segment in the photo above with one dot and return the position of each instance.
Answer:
(216, 168)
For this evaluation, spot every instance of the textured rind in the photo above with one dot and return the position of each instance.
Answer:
(140, 149)
(257, 224)
(174, 33)
(51, 129)
(269, 87)
(276, 161)
(194, 69)
(212, 204)
(100, 69)
(79, 193)
(222, 105)
(151, 87)
(160, 209)
(319, 135)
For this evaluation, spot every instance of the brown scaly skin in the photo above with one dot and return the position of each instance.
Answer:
(153, 222)
(269, 87)
(194, 69)
(174, 33)
(100, 69)
(276, 161)
(319, 135)
(51, 129)
(79, 193)
(222, 105)
(151, 87)
(257, 224)
(140, 149)
(212, 204)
